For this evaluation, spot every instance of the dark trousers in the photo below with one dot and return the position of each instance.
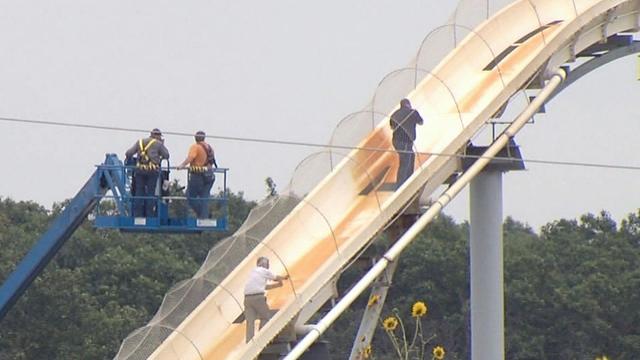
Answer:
(145, 192)
(198, 189)
(406, 158)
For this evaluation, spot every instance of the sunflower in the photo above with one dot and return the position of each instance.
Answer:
(419, 309)
(390, 323)
(366, 352)
(438, 352)
(373, 300)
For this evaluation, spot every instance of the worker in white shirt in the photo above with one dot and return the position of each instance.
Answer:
(255, 300)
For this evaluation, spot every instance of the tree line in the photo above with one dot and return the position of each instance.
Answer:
(571, 289)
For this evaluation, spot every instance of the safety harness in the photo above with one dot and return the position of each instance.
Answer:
(144, 161)
(198, 169)
(210, 160)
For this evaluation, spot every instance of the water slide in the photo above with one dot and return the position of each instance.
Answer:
(312, 232)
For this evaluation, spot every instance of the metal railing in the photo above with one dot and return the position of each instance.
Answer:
(165, 206)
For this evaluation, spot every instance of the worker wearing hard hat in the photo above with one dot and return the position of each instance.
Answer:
(201, 160)
(149, 153)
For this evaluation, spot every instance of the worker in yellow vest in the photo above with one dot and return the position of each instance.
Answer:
(201, 161)
(149, 152)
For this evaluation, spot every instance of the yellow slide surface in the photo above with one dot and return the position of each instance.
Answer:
(352, 204)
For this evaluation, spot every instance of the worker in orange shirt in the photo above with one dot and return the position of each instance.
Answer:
(201, 161)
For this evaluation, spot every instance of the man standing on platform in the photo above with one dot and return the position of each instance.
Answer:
(201, 161)
(255, 300)
(403, 124)
(150, 152)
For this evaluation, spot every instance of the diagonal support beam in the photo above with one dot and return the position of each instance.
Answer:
(392, 254)
(372, 313)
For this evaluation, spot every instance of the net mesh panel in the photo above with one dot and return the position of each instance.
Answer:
(185, 296)
(363, 129)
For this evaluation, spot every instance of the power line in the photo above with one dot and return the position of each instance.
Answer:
(113, 128)
(316, 145)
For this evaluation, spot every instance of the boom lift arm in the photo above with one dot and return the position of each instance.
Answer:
(111, 176)
(60, 230)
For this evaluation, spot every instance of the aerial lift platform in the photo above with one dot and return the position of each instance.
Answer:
(107, 198)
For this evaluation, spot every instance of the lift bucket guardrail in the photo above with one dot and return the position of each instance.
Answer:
(172, 208)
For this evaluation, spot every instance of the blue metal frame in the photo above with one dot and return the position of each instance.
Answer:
(60, 230)
(118, 179)
(112, 176)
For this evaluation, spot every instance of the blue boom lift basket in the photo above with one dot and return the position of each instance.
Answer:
(171, 211)
(107, 193)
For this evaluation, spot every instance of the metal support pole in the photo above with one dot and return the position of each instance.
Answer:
(372, 313)
(58, 233)
(380, 289)
(426, 218)
(486, 268)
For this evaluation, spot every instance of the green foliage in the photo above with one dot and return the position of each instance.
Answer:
(571, 291)
(98, 288)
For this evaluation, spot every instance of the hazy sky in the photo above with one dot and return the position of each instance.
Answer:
(281, 70)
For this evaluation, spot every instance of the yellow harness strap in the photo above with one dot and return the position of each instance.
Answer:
(148, 164)
(198, 169)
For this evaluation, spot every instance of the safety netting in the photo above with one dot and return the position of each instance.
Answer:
(340, 192)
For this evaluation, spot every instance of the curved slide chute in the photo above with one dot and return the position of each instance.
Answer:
(346, 209)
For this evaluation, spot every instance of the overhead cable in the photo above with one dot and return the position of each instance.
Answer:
(316, 145)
